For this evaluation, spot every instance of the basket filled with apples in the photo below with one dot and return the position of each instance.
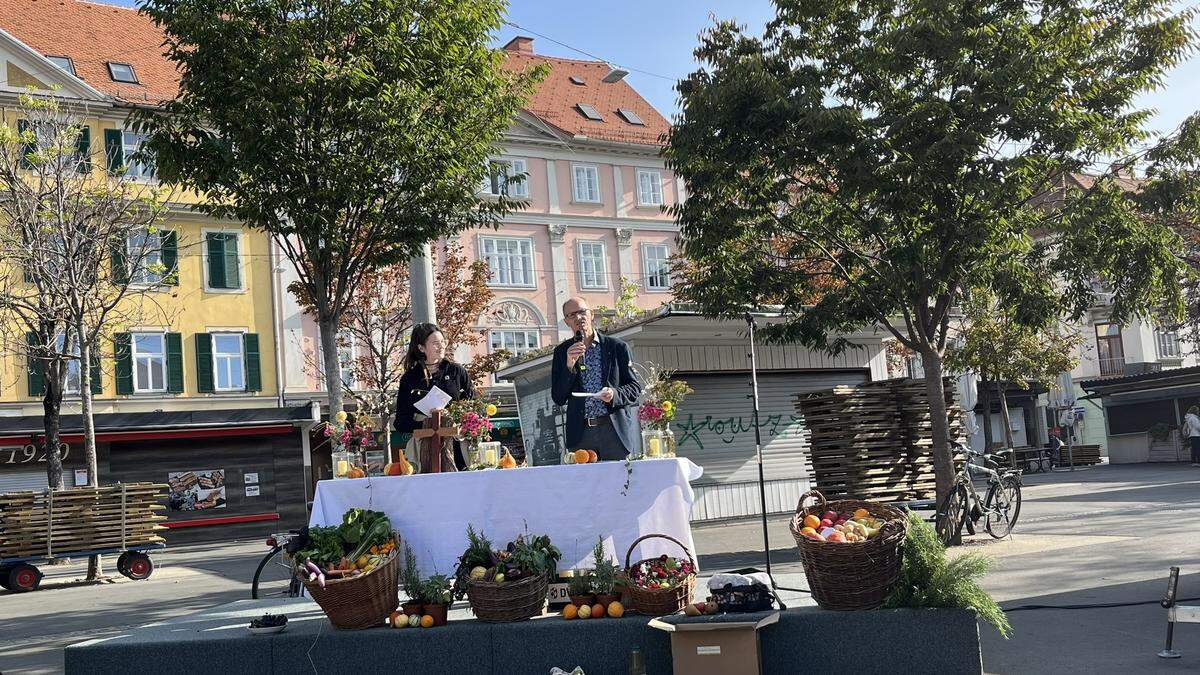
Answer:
(851, 550)
(662, 585)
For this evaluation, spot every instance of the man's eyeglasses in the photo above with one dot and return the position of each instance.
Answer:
(578, 314)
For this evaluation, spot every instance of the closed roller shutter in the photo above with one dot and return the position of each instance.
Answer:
(16, 481)
(715, 428)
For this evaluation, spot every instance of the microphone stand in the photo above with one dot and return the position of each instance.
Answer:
(762, 484)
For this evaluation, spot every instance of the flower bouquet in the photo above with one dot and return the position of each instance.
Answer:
(660, 402)
(352, 444)
(473, 419)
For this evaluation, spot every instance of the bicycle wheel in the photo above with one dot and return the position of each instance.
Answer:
(951, 513)
(274, 578)
(1003, 504)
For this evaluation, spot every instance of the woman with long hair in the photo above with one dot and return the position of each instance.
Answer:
(426, 366)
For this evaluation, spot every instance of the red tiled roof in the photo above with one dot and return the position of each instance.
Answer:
(556, 98)
(92, 34)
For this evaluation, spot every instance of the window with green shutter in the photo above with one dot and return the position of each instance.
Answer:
(174, 363)
(204, 363)
(120, 270)
(36, 367)
(223, 264)
(253, 364)
(124, 360)
(114, 150)
(28, 147)
(170, 257)
(96, 373)
(83, 150)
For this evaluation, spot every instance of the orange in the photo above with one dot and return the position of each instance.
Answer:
(581, 456)
(861, 513)
(616, 609)
(427, 621)
(392, 618)
(812, 521)
(592, 456)
(597, 611)
(570, 612)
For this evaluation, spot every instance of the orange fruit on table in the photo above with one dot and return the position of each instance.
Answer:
(812, 521)
(592, 456)
(570, 612)
(427, 621)
(597, 611)
(616, 609)
(581, 456)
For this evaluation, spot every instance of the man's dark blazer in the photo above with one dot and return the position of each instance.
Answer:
(615, 359)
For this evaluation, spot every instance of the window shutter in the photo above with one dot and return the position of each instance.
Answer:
(26, 148)
(114, 150)
(232, 268)
(95, 372)
(169, 241)
(120, 271)
(37, 367)
(84, 150)
(253, 366)
(124, 358)
(204, 363)
(216, 260)
(174, 363)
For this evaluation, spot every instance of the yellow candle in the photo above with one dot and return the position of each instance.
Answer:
(343, 467)
(489, 456)
(654, 448)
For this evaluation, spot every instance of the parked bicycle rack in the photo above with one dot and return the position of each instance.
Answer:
(1176, 614)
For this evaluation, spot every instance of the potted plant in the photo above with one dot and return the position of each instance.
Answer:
(579, 588)
(410, 581)
(513, 585)
(604, 576)
(438, 594)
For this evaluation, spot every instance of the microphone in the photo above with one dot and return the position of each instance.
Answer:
(578, 339)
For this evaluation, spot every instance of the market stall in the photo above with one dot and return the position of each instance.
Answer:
(573, 504)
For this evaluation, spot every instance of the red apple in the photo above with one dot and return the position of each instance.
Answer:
(825, 522)
(830, 516)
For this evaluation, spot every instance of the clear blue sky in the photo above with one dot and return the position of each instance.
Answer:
(658, 36)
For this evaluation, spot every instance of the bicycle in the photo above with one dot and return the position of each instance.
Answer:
(274, 577)
(961, 506)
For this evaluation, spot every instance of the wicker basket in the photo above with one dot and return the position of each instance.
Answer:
(659, 601)
(508, 601)
(851, 575)
(359, 602)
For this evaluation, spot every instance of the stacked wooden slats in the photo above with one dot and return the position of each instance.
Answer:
(873, 441)
(1082, 455)
(51, 523)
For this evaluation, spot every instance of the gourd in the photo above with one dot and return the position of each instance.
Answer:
(507, 461)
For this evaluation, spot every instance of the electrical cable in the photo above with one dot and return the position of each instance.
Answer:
(1097, 605)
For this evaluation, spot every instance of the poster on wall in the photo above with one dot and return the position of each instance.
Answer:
(197, 490)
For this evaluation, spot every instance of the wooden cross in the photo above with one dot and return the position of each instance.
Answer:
(433, 452)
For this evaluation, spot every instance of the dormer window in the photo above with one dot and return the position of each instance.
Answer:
(122, 72)
(63, 62)
(575, 79)
(589, 112)
(631, 117)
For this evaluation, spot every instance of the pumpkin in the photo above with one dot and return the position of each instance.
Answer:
(507, 461)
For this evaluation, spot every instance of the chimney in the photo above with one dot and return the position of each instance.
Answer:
(520, 44)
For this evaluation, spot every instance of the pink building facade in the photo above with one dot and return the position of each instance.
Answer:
(596, 194)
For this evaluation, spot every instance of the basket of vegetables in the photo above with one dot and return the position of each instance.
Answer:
(351, 570)
(662, 585)
(508, 585)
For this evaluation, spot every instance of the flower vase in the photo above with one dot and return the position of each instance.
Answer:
(668, 441)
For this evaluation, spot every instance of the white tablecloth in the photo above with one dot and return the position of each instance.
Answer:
(573, 504)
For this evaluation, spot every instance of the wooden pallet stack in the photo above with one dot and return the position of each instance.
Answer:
(1082, 455)
(51, 523)
(874, 441)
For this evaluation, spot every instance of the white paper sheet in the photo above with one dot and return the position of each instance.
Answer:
(435, 399)
(584, 394)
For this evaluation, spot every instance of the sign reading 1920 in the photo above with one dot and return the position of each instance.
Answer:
(30, 453)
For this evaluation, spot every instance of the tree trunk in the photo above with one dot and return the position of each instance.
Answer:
(1008, 437)
(52, 425)
(943, 462)
(95, 570)
(985, 395)
(333, 371)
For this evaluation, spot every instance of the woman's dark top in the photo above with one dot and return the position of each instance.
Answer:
(415, 384)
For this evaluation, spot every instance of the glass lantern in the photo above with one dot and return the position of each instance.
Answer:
(375, 460)
(341, 463)
(652, 444)
(489, 454)
(668, 442)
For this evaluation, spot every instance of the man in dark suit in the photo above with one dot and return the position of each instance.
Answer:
(599, 365)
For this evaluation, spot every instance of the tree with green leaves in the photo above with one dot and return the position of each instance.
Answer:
(878, 162)
(353, 131)
(1003, 351)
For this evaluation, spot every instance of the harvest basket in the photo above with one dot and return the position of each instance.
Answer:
(359, 602)
(508, 601)
(659, 601)
(851, 575)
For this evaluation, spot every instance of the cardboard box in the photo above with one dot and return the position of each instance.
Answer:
(715, 646)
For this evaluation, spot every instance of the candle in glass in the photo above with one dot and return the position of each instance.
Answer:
(489, 457)
(654, 447)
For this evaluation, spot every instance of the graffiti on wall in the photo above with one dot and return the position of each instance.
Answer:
(727, 429)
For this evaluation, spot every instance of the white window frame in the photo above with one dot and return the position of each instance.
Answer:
(142, 276)
(217, 360)
(599, 281)
(530, 280)
(591, 172)
(533, 335)
(136, 170)
(499, 174)
(647, 276)
(652, 195)
(134, 357)
(1176, 350)
(240, 237)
